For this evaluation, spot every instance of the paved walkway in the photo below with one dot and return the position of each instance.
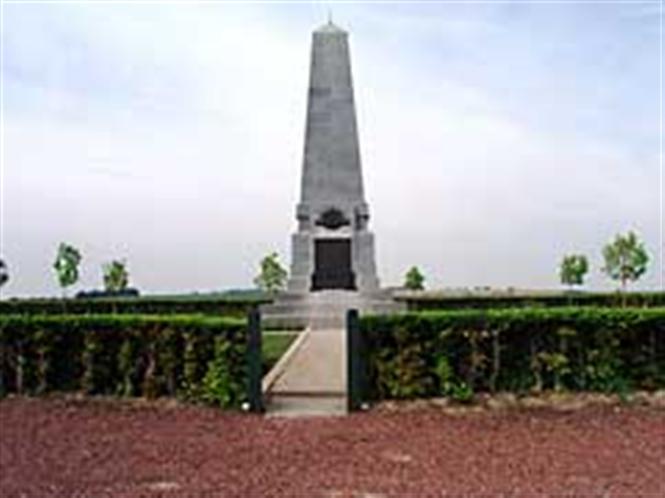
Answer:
(313, 382)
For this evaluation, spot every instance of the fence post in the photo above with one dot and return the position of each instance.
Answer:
(254, 394)
(354, 361)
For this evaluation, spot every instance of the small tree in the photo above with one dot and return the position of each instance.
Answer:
(4, 273)
(573, 269)
(414, 279)
(626, 259)
(66, 265)
(272, 276)
(116, 276)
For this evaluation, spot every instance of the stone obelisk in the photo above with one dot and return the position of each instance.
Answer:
(332, 248)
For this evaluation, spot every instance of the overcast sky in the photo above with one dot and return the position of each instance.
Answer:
(494, 137)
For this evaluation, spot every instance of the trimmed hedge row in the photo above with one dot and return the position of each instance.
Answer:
(138, 306)
(239, 307)
(457, 353)
(416, 301)
(198, 358)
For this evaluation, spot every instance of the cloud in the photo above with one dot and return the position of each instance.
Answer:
(172, 136)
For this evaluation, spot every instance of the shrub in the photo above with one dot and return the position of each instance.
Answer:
(219, 382)
(432, 301)
(128, 305)
(199, 358)
(457, 353)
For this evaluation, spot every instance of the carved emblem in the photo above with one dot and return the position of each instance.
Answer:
(333, 219)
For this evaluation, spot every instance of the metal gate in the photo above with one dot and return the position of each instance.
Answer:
(254, 369)
(356, 350)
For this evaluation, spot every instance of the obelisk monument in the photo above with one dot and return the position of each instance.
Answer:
(332, 248)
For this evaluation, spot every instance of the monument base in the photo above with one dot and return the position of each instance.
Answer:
(332, 260)
(325, 309)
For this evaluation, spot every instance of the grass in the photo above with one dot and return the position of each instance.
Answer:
(274, 346)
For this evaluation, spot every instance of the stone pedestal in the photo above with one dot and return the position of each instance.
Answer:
(303, 258)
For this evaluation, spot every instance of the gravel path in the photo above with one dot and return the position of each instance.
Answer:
(56, 447)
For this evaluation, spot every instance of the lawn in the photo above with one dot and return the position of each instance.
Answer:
(275, 344)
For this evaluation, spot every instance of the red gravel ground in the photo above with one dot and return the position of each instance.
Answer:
(56, 447)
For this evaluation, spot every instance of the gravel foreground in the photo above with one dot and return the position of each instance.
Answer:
(64, 447)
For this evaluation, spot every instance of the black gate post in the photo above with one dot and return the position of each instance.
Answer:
(254, 372)
(355, 362)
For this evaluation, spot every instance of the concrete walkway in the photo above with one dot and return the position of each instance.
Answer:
(313, 381)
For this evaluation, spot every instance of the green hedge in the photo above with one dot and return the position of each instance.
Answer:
(457, 353)
(416, 301)
(195, 357)
(139, 306)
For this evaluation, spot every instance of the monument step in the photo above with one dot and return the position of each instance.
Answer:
(326, 308)
(306, 406)
(305, 311)
(307, 394)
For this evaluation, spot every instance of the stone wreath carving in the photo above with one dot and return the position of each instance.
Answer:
(332, 219)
